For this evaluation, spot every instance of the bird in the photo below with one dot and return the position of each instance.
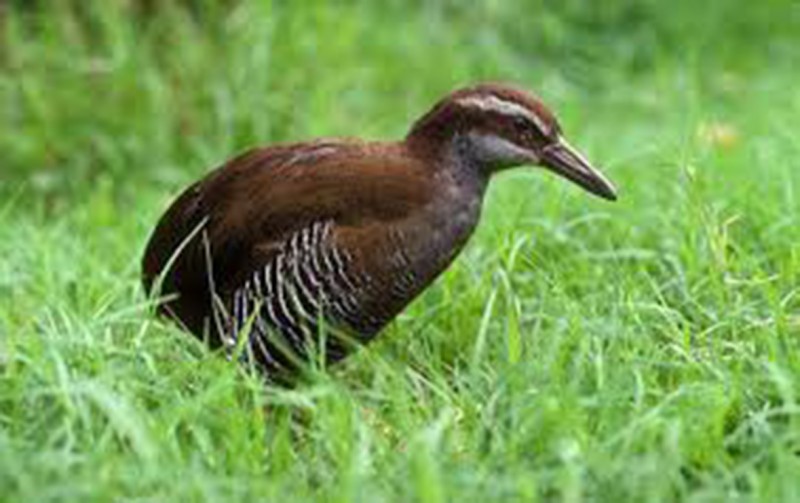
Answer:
(295, 250)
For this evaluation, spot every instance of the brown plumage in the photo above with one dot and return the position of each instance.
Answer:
(329, 240)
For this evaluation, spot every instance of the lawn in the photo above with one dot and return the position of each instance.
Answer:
(578, 350)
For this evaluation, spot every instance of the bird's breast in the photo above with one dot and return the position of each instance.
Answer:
(425, 244)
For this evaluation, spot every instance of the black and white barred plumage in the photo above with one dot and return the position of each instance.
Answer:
(306, 293)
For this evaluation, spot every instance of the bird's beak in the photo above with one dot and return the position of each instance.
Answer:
(564, 160)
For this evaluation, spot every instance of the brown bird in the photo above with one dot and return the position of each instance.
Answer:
(296, 249)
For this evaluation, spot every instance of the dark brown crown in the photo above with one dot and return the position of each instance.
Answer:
(453, 115)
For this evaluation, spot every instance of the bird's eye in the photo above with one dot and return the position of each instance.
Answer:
(520, 124)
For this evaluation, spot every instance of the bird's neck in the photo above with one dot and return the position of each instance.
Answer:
(446, 223)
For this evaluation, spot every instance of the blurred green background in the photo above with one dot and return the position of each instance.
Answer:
(578, 350)
(147, 90)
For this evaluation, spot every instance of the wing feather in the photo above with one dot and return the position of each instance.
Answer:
(232, 222)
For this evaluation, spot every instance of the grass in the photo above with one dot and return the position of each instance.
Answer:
(646, 350)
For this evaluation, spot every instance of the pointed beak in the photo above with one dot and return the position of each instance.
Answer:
(564, 160)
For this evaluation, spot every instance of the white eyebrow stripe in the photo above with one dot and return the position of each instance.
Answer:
(494, 104)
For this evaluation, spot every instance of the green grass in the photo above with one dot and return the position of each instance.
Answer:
(647, 350)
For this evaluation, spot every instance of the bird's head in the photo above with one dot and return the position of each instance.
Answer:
(495, 126)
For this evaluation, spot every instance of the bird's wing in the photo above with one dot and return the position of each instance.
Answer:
(236, 219)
